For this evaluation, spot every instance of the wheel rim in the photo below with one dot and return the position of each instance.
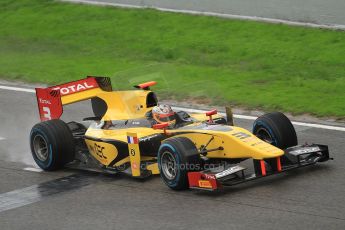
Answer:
(264, 135)
(40, 147)
(169, 167)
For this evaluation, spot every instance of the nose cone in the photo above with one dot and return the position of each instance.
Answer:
(265, 150)
(252, 146)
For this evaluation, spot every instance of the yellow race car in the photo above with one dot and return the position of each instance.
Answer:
(201, 151)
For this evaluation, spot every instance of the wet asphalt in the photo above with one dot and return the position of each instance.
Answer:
(309, 198)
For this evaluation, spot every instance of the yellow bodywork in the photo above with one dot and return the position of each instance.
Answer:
(134, 155)
(122, 105)
(236, 142)
(105, 153)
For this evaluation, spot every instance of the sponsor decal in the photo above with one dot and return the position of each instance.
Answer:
(74, 88)
(241, 135)
(132, 140)
(210, 177)
(133, 152)
(147, 138)
(43, 101)
(54, 93)
(139, 107)
(134, 165)
(229, 171)
(77, 86)
(306, 150)
(204, 184)
(98, 150)
(103, 152)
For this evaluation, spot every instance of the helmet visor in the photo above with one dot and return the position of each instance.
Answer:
(166, 117)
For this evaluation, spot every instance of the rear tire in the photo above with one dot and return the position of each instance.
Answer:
(176, 157)
(276, 129)
(52, 144)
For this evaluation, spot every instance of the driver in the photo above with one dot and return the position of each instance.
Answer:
(164, 114)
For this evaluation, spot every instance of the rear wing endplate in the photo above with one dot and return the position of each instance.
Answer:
(51, 100)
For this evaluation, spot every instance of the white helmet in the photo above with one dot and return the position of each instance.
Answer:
(164, 114)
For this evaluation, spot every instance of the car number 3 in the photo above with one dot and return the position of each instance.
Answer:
(46, 113)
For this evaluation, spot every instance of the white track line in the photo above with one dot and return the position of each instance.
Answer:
(32, 169)
(232, 16)
(2, 138)
(17, 89)
(245, 117)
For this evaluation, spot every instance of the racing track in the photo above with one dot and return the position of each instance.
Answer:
(314, 13)
(311, 198)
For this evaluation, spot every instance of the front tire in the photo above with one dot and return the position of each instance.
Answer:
(276, 129)
(52, 144)
(176, 157)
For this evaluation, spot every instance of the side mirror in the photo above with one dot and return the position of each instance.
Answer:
(229, 116)
(210, 113)
(161, 126)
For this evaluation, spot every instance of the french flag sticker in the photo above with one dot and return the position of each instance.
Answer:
(132, 140)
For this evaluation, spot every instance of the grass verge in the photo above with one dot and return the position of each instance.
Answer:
(252, 64)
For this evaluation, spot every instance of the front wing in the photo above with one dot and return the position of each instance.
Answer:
(293, 158)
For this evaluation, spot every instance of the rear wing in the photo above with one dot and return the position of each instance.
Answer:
(51, 100)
